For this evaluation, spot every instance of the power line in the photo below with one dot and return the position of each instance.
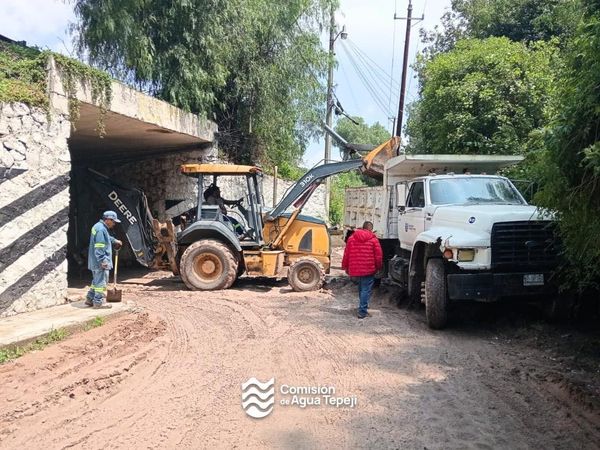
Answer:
(376, 77)
(383, 73)
(366, 82)
(393, 56)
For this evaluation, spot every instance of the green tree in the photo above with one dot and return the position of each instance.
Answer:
(362, 133)
(518, 20)
(253, 66)
(572, 165)
(482, 97)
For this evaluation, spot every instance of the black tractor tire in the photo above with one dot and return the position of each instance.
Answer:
(208, 265)
(436, 297)
(306, 274)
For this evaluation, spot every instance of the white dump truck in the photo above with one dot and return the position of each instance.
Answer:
(452, 230)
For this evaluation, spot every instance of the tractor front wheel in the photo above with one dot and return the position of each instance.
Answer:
(208, 265)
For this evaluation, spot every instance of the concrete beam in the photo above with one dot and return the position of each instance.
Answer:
(163, 120)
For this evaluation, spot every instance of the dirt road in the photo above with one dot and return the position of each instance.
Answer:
(169, 375)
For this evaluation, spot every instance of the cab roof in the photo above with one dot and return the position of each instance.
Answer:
(411, 166)
(218, 169)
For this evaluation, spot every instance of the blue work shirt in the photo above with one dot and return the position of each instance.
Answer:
(100, 247)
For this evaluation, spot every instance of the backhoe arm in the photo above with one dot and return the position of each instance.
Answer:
(150, 240)
(310, 180)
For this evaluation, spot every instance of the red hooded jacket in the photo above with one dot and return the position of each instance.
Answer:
(363, 255)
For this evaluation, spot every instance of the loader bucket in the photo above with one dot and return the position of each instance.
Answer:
(377, 158)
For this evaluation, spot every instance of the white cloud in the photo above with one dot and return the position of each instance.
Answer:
(371, 27)
(38, 22)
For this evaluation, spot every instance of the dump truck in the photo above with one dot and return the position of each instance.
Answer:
(454, 231)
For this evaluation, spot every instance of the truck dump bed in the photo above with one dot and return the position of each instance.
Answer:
(379, 204)
(365, 203)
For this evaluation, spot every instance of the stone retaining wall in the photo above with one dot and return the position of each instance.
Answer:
(170, 199)
(34, 208)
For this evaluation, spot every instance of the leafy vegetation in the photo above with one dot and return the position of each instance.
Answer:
(571, 184)
(253, 66)
(73, 73)
(482, 97)
(23, 75)
(23, 79)
(336, 200)
(518, 20)
(505, 76)
(355, 133)
(96, 322)
(10, 353)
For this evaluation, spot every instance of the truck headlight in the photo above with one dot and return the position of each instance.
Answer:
(466, 254)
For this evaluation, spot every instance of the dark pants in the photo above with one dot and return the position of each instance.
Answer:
(365, 287)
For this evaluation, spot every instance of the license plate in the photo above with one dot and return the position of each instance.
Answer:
(533, 279)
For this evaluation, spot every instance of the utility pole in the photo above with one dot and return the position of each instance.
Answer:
(409, 20)
(330, 103)
(329, 116)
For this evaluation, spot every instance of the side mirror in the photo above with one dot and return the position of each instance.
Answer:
(401, 196)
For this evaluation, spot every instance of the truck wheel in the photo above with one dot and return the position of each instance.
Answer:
(306, 274)
(208, 265)
(436, 299)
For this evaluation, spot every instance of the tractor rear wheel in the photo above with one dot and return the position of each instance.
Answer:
(306, 274)
(208, 265)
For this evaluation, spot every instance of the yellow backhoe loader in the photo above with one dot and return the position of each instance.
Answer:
(209, 254)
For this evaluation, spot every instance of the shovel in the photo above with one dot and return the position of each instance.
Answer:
(114, 294)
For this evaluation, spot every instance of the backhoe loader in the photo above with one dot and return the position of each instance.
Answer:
(210, 255)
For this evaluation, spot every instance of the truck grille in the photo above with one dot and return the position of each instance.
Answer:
(524, 245)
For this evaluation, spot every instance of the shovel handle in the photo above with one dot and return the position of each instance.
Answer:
(116, 268)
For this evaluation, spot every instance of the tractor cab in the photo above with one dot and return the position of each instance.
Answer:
(242, 216)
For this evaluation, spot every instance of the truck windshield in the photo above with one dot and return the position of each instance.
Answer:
(461, 190)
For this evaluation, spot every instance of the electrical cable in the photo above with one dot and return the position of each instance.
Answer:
(393, 55)
(371, 62)
(377, 77)
(366, 82)
(371, 77)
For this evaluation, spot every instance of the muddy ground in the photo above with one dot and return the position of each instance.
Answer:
(169, 374)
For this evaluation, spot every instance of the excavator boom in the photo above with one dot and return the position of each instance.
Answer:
(371, 165)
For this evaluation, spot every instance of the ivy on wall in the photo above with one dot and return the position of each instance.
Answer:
(23, 78)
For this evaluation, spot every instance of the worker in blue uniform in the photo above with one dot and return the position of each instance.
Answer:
(100, 259)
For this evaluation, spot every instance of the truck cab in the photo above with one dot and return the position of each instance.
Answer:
(458, 231)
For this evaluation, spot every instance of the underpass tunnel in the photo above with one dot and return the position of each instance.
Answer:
(132, 153)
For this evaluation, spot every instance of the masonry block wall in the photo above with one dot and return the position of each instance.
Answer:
(170, 193)
(34, 208)
(315, 206)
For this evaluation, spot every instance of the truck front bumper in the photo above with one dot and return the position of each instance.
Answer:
(492, 286)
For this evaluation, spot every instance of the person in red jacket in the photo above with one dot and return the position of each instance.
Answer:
(363, 258)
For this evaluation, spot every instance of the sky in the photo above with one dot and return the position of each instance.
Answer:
(374, 38)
